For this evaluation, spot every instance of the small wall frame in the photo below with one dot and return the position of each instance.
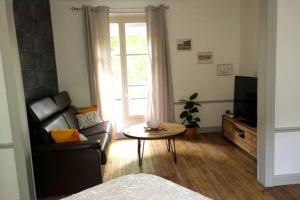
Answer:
(224, 69)
(184, 44)
(205, 58)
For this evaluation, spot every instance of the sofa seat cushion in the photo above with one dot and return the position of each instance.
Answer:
(104, 139)
(102, 127)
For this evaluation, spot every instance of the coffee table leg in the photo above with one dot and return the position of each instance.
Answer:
(171, 142)
(141, 144)
(168, 144)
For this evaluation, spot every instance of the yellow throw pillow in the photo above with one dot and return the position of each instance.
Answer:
(86, 110)
(67, 135)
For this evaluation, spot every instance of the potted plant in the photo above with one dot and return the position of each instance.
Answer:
(188, 115)
(229, 114)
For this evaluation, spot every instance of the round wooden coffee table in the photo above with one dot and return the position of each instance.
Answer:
(169, 132)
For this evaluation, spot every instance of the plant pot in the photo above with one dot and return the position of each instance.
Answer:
(191, 131)
(230, 115)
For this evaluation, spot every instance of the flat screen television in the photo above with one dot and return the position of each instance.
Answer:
(245, 100)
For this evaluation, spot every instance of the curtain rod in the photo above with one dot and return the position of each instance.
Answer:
(76, 9)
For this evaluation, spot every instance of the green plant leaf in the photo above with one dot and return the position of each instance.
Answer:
(189, 118)
(189, 105)
(197, 104)
(194, 109)
(197, 119)
(193, 96)
(184, 114)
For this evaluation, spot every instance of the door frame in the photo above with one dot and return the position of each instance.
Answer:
(16, 102)
(266, 92)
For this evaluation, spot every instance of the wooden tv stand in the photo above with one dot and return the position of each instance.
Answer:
(239, 133)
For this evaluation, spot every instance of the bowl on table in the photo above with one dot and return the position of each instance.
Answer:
(153, 124)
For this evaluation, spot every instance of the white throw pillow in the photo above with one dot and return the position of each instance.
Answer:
(88, 119)
(82, 138)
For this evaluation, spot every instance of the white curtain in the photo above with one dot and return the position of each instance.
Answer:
(96, 29)
(160, 99)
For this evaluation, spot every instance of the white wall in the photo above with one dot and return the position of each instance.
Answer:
(287, 93)
(287, 109)
(287, 153)
(249, 37)
(213, 25)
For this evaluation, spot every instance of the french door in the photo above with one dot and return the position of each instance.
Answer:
(130, 66)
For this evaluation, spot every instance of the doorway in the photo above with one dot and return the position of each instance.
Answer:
(130, 68)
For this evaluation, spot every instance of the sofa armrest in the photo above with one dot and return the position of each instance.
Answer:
(66, 168)
(68, 146)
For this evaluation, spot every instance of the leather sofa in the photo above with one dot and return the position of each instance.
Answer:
(65, 168)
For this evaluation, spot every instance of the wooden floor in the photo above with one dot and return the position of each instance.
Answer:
(207, 164)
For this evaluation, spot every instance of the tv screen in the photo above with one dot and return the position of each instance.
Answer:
(245, 99)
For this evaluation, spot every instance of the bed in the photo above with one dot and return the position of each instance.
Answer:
(137, 187)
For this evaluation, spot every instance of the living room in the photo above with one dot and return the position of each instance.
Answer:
(213, 51)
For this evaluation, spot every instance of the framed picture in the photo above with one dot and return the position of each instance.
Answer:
(224, 69)
(205, 58)
(184, 44)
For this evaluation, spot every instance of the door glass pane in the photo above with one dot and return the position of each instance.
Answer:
(137, 68)
(137, 107)
(136, 38)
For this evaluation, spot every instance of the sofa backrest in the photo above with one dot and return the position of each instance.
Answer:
(70, 117)
(46, 117)
(56, 122)
(52, 113)
(49, 114)
(42, 109)
(63, 102)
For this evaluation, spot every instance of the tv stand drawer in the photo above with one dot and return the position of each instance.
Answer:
(240, 135)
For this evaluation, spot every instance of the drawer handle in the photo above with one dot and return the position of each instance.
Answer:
(242, 135)
(240, 132)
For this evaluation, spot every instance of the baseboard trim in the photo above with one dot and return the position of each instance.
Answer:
(287, 129)
(286, 179)
(210, 129)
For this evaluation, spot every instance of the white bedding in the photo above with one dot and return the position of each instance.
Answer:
(137, 187)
